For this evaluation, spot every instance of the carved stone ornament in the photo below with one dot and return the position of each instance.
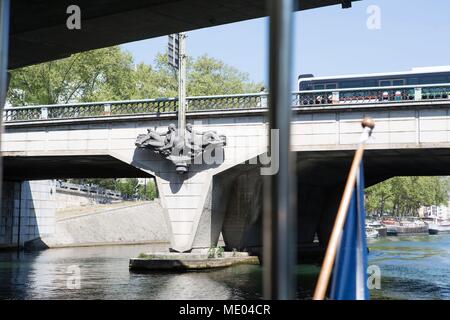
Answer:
(181, 150)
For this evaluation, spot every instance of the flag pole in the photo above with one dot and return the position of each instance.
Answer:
(325, 273)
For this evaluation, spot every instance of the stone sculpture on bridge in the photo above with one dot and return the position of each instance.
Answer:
(181, 150)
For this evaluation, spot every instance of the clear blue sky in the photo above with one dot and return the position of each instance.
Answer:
(329, 41)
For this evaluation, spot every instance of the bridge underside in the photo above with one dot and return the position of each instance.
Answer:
(236, 196)
(321, 177)
(39, 32)
(315, 168)
(63, 167)
(330, 168)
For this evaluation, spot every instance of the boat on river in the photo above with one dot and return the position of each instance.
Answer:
(439, 226)
(379, 227)
(371, 233)
(405, 227)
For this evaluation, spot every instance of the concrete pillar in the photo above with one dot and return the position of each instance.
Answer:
(331, 198)
(187, 202)
(28, 211)
(10, 200)
(242, 227)
(309, 209)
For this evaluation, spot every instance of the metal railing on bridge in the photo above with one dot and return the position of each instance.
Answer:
(91, 190)
(312, 98)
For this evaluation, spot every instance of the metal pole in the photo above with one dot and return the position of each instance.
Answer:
(182, 85)
(279, 209)
(4, 50)
(19, 217)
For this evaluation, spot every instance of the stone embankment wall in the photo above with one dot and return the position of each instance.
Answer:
(141, 222)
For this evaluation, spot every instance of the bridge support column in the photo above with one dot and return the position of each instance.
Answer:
(188, 202)
(9, 210)
(242, 227)
(28, 211)
(316, 213)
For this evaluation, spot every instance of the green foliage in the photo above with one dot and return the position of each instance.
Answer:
(149, 191)
(220, 251)
(102, 74)
(212, 252)
(405, 195)
(215, 252)
(129, 187)
(209, 76)
(110, 74)
(102, 183)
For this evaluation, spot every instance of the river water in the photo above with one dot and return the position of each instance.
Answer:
(411, 268)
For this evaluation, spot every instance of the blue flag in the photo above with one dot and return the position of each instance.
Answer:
(350, 268)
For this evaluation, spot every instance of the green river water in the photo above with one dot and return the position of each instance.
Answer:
(416, 267)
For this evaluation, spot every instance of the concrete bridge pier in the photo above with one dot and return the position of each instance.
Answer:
(242, 224)
(203, 203)
(28, 211)
(187, 201)
(317, 208)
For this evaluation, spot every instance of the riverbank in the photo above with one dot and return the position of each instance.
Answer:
(123, 223)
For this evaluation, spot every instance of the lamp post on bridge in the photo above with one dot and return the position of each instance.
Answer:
(177, 59)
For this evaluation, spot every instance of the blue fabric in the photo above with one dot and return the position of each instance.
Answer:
(350, 268)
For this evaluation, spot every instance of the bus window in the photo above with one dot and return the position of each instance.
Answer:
(331, 86)
(412, 81)
(392, 83)
(371, 83)
(305, 85)
(399, 82)
(319, 86)
(433, 79)
(351, 84)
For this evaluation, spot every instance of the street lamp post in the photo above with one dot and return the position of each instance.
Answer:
(182, 85)
(177, 59)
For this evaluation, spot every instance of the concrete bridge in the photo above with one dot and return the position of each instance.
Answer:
(412, 137)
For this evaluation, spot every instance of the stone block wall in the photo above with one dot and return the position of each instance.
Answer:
(28, 211)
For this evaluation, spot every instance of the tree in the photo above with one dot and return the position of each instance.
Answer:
(205, 76)
(379, 198)
(128, 187)
(102, 74)
(148, 191)
(405, 195)
(210, 76)
(110, 74)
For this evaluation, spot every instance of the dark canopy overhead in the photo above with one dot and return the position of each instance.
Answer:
(39, 32)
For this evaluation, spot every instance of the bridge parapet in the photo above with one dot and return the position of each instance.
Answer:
(335, 97)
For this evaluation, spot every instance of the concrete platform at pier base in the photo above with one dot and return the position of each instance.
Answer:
(189, 261)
